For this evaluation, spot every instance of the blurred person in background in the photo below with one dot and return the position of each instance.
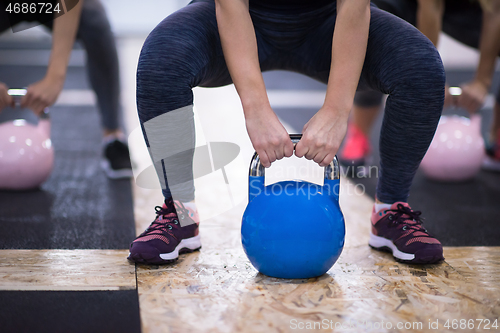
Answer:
(88, 23)
(475, 23)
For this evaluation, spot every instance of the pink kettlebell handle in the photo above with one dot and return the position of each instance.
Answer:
(455, 91)
(17, 94)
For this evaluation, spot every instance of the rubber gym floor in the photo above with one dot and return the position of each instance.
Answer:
(63, 264)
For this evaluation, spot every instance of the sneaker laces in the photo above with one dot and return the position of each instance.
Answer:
(408, 218)
(182, 211)
(165, 221)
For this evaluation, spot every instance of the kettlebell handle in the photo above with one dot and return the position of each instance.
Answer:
(17, 94)
(332, 171)
(455, 91)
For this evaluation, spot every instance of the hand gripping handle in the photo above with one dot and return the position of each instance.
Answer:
(332, 171)
(17, 94)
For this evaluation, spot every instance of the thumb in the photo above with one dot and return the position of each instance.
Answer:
(300, 149)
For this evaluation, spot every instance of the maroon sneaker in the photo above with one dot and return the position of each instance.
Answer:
(399, 230)
(173, 232)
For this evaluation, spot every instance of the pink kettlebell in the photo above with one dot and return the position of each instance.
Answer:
(457, 149)
(26, 152)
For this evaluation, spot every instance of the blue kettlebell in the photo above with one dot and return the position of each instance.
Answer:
(293, 229)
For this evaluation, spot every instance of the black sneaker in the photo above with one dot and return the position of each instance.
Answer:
(116, 162)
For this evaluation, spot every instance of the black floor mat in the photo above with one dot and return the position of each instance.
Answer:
(69, 311)
(78, 207)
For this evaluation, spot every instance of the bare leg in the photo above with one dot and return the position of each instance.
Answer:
(495, 127)
(112, 132)
(364, 117)
(357, 146)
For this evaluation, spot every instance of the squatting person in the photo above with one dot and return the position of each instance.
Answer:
(348, 44)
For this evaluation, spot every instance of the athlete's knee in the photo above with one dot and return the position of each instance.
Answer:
(422, 78)
(163, 77)
(173, 56)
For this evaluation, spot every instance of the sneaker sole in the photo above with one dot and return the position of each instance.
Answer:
(115, 174)
(187, 245)
(386, 245)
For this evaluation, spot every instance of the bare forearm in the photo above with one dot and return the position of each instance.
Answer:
(63, 38)
(348, 53)
(429, 18)
(239, 44)
(489, 45)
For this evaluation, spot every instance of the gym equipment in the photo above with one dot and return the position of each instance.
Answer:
(26, 152)
(457, 149)
(293, 229)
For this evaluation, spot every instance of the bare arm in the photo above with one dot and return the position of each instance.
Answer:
(474, 92)
(45, 92)
(239, 44)
(240, 50)
(348, 53)
(323, 134)
(489, 45)
(5, 99)
(429, 22)
(430, 18)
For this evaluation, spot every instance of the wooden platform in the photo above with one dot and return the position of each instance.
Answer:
(217, 289)
(51, 270)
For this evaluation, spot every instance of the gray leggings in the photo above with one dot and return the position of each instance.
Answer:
(184, 51)
(94, 32)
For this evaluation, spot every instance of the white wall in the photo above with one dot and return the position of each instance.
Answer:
(457, 55)
(139, 17)
(127, 18)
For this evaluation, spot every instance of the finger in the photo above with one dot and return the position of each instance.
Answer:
(271, 155)
(473, 108)
(476, 105)
(300, 149)
(327, 160)
(470, 105)
(278, 152)
(288, 149)
(319, 157)
(39, 110)
(461, 102)
(6, 99)
(311, 154)
(26, 100)
(264, 159)
(38, 107)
